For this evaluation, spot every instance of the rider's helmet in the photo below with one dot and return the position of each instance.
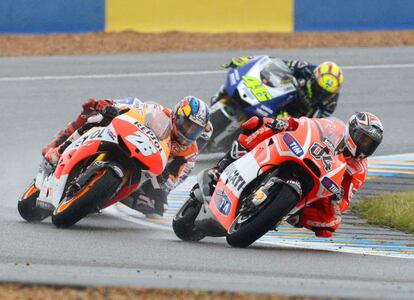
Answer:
(189, 119)
(326, 81)
(363, 135)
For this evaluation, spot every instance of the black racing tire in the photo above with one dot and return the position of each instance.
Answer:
(27, 206)
(95, 193)
(183, 222)
(243, 234)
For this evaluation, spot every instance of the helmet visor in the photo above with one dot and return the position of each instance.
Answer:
(366, 145)
(186, 130)
(319, 94)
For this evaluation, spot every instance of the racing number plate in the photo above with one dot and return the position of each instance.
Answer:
(257, 88)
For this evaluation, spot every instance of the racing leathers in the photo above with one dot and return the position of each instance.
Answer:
(322, 216)
(151, 197)
(304, 104)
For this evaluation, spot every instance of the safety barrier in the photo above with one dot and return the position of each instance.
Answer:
(353, 15)
(51, 16)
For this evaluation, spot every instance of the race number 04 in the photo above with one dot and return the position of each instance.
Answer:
(142, 142)
(318, 152)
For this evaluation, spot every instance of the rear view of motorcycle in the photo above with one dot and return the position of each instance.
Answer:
(259, 88)
(275, 180)
(100, 167)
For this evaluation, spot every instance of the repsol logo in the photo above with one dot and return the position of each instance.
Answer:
(151, 134)
(96, 134)
(293, 144)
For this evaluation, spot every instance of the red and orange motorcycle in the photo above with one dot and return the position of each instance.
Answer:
(102, 166)
(280, 176)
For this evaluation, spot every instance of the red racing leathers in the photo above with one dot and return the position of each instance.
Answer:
(323, 216)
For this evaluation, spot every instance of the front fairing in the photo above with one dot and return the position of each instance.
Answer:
(245, 84)
(142, 143)
(225, 199)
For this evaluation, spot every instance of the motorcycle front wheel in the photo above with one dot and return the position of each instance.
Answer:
(183, 222)
(87, 199)
(27, 206)
(245, 230)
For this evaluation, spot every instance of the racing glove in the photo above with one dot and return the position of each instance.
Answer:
(95, 105)
(109, 112)
(278, 125)
(338, 196)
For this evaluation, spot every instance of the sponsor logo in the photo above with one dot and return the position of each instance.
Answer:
(330, 185)
(232, 79)
(45, 205)
(82, 140)
(237, 75)
(296, 185)
(111, 134)
(223, 203)
(293, 144)
(258, 132)
(260, 111)
(151, 134)
(129, 100)
(234, 177)
(329, 144)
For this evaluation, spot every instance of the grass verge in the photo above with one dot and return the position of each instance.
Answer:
(395, 210)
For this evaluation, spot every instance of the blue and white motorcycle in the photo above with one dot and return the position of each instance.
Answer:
(260, 88)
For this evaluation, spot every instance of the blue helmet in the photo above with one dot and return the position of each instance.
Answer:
(190, 118)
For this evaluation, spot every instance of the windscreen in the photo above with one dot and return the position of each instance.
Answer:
(276, 73)
(332, 129)
(158, 122)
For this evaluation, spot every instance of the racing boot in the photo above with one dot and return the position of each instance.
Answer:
(236, 151)
(149, 201)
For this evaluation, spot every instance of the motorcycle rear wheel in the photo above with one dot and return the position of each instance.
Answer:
(27, 206)
(88, 199)
(242, 234)
(183, 222)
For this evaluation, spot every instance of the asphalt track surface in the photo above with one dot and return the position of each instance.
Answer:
(40, 95)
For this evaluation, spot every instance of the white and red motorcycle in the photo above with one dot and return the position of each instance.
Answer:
(102, 166)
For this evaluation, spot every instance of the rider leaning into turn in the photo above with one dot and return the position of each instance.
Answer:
(317, 87)
(188, 121)
(361, 136)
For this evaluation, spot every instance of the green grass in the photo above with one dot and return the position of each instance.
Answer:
(395, 210)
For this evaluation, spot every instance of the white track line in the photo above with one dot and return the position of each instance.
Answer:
(181, 73)
(110, 76)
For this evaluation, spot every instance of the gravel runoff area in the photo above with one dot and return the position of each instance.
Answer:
(129, 41)
(37, 292)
